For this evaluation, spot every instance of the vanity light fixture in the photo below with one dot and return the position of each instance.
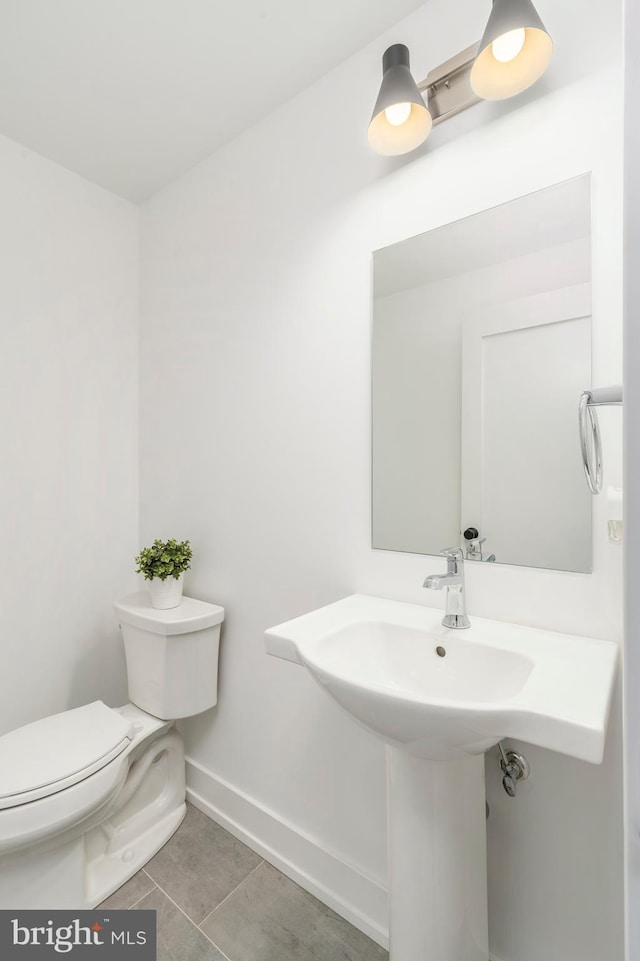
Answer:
(514, 52)
(401, 120)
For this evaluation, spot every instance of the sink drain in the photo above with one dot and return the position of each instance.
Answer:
(441, 651)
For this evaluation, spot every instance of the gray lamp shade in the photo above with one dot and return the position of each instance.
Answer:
(514, 52)
(400, 121)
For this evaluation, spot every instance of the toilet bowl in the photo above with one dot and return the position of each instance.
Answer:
(89, 795)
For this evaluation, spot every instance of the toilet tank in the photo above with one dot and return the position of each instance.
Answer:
(172, 655)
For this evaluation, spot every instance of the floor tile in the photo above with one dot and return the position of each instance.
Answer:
(178, 939)
(269, 918)
(201, 865)
(134, 889)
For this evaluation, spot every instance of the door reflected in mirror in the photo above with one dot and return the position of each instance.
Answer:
(481, 349)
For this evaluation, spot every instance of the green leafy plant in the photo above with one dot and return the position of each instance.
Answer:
(164, 559)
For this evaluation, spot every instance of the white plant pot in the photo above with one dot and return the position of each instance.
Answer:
(166, 594)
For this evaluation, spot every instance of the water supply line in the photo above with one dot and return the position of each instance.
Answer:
(514, 767)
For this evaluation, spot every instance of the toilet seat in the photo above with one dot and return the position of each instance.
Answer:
(51, 755)
(25, 824)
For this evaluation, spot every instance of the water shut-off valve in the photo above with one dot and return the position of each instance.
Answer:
(515, 767)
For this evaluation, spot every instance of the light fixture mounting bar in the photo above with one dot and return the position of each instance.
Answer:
(448, 86)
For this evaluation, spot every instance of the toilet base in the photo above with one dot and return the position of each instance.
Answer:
(61, 877)
(108, 872)
(82, 867)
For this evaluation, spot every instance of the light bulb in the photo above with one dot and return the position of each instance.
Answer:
(508, 46)
(398, 113)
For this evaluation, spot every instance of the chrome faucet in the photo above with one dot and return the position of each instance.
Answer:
(453, 582)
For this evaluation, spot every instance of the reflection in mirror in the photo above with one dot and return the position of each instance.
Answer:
(481, 349)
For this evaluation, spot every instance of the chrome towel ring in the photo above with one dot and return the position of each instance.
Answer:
(590, 440)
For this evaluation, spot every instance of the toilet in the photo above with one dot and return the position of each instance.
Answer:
(88, 796)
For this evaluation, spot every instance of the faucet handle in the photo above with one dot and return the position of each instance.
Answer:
(456, 553)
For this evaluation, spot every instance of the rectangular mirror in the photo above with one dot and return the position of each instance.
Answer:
(481, 349)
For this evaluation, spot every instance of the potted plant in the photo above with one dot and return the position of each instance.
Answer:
(163, 565)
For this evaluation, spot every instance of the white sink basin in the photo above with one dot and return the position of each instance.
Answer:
(436, 694)
(380, 661)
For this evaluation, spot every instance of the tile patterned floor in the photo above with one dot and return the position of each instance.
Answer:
(216, 900)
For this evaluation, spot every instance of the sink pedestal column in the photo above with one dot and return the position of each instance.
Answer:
(437, 858)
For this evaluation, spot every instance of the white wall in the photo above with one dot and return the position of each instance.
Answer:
(255, 443)
(632, 473)
(416, 373)
(68, 484)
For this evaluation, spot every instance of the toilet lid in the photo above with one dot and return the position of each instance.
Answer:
(49, 755)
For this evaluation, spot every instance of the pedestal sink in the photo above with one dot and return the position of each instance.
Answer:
(440, 698)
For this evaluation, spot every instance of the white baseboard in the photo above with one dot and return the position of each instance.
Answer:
(341, 886)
